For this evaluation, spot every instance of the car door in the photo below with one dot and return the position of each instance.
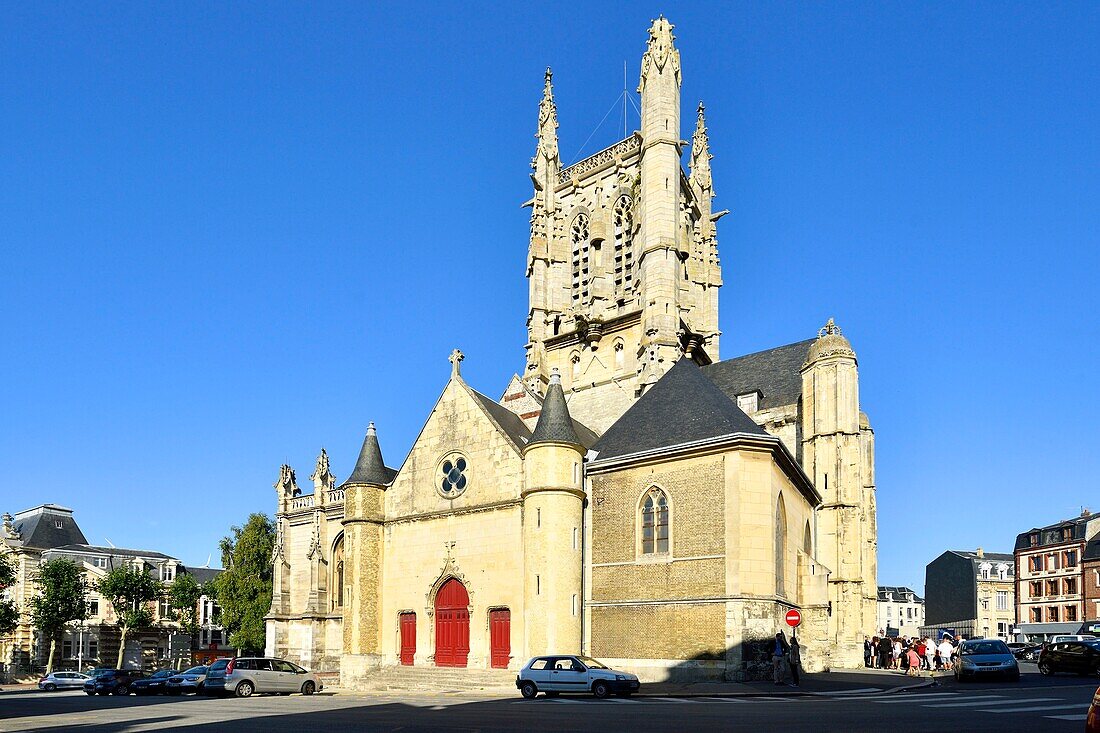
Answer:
(539, 672)
(569, 675)
(287, 677)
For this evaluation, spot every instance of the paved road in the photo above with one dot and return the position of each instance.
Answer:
(1036, 704)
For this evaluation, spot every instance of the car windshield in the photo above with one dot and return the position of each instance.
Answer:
(984, 647)
(196, 670)
(590, 662)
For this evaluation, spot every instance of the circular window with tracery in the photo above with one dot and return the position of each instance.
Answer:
(453, 476)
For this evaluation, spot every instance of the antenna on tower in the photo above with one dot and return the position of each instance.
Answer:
(112, 544)
(624, 98)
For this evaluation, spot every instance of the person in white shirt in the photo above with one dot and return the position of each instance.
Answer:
(930, 653)
(897, 654)
(946, 650)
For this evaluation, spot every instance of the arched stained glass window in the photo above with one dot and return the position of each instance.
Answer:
(655, 522)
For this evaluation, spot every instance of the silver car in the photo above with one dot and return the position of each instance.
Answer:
(62, 681)
(556, 674)
(244, 676)
(986, 658)
(190, 680)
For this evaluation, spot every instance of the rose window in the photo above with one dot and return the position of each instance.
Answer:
(453, 476)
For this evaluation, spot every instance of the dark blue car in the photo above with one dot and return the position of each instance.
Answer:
(154, 684)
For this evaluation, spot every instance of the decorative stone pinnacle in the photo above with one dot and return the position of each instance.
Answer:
(555, 376)
(548, 77)
(370, 429)
(829, 329)
(456, 358)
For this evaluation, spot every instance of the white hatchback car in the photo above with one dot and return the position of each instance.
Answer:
(556, 674)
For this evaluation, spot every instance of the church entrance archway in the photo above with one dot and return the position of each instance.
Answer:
(452, 625)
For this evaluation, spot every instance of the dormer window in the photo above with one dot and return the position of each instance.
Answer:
(1002, 572)
(59, 524)
(167, 573)
(99, 562)
(986, 570)
(749, 402)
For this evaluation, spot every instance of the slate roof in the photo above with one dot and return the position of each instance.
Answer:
(899, 592)
(682, 407)
(113, 551)
(39, 529)
(555, 425)
(775, 373)
(1092, 549)
(513, 427)
(204, 575)
(370, 468)
(1052, 533)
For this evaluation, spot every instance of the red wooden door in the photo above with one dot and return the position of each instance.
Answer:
(408, 638)
(500, 638)
(452, 625)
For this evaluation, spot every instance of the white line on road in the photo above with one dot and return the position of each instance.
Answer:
(906, 697)
(1038, 708)
(1082, 716)
(860, 691)
(993, 700)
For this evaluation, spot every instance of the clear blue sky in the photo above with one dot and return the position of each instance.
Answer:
(233, 235)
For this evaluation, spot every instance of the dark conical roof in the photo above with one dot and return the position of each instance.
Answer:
(554, 425)
(370, 469)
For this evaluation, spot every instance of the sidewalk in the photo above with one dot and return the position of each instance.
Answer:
(847, 682)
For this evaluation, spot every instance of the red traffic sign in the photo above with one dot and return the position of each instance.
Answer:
(793, 617)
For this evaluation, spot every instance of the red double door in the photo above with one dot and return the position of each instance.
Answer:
(452, 625)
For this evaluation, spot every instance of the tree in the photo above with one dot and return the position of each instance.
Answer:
(62, 597)
(244, 589)
(184, 595)
(130, 591)
(9, 614)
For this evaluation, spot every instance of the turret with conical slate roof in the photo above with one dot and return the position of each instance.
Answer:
(364, 512)
(553, 506)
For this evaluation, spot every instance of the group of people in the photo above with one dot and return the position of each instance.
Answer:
(910, 654)
(786, 655)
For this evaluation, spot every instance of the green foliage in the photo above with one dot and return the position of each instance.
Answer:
(244, 589)
(9, 614)
(184, 595)
(61, 598)
(130, 591)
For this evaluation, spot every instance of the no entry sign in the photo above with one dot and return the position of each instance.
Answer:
(793, 617)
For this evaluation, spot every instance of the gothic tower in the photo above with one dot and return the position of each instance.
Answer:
(838, 454)
(623, 261)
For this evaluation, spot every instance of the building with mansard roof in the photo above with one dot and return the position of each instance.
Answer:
(630, 495)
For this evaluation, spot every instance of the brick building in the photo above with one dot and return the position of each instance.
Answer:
(1053, 587)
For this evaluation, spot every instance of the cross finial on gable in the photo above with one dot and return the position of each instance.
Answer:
(455, 359)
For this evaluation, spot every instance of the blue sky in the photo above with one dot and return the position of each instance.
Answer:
(235, 234)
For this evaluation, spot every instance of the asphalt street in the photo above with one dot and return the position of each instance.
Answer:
(1036, 704)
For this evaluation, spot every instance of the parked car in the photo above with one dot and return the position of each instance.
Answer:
(554, 675)
(1072, 637)
(62, 681)
(1025, 650)
(190, 680)
(112, 682)
(1092, 721)
(243, 676)
(154, 684)
(986, 658)
(1082, 657)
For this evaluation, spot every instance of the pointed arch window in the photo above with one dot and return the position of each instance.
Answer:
(780, 547)
(338, 574)
(580, 233)
(655, 522)
(623, 219)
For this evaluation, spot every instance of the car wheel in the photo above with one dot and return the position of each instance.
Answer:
(601, 689)
(1045, 668)
(49, 687)
(528, 690)
(122, 690)
(309, 688)
(245, 689)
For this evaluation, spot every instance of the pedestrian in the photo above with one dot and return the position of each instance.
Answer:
(884, 653)
(945, 650)
(930, 653)
(795, 659)
(779, 657)
(866, 652)
(897, 654)
(914, 663)
(920, 649)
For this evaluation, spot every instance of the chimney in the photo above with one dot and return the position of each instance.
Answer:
(980, 552)
(1085, 512)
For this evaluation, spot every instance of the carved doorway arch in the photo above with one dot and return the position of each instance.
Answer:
(452, 624)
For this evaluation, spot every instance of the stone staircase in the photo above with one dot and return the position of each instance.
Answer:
(437, 679)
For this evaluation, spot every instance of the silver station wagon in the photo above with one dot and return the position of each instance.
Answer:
(553, 675)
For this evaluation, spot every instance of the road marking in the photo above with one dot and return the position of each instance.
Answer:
(860, 691)
(1039, 708)
(726, 699)
(906, 697)
(669, 699)
(1082, 716)
(993, 700)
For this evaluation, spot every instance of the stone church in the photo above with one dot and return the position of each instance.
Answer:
(630, 495)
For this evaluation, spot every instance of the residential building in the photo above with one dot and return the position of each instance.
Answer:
(970, 594)
(900, 611)
(631, 495)
(1053, 586)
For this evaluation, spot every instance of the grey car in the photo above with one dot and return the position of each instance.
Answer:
(190, 680)
(245, 676)
(553, 675)
(62, 681)
(986, 658)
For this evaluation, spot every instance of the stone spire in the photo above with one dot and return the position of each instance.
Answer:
(548, 125)
(700, 177)
(322, 478)
(370, 469)
(554, 425)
